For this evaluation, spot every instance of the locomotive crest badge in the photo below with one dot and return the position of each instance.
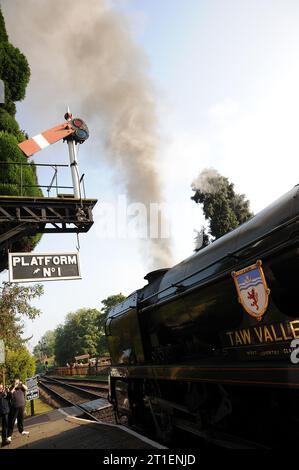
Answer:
(252, 289)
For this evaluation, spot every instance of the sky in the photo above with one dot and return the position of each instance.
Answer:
(225, 75)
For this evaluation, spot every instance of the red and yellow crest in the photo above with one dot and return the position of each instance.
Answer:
(252, 289)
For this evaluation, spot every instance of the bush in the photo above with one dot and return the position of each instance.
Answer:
(19, 363)
(8, 123)
(14, 70)
(3, 33)
(10, 175)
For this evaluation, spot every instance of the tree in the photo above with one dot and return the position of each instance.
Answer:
(223, 208)
(78, 335)
(46, 345)
(81, 333)
(19, 363)
(15, 303)
(14, 70)
(3, 33)
(108, 304)
(15, 73)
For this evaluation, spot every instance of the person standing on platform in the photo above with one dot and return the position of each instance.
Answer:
(17, 390)
(4, 412)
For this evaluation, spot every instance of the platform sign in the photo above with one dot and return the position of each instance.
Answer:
(33, 392)
(31, 383)
(2, 352)
(25, 267)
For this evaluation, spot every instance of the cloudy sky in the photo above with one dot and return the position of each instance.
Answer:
(224, 74)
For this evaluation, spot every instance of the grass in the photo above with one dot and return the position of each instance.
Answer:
(39, 407)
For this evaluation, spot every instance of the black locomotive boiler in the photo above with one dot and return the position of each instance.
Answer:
(208, 345)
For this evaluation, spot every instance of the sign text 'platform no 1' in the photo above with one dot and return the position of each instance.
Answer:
(24, 267)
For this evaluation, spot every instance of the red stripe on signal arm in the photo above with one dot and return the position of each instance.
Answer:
(29, 147)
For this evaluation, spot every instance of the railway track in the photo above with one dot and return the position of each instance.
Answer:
(100, 385)
(72, 395)
(100, 389)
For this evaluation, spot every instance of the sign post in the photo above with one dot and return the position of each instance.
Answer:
(2, 359)
(32, 392)
(28, 267)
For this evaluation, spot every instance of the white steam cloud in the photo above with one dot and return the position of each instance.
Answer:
(208, 181)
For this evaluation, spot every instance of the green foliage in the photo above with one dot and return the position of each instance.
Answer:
(15, 300)
(15, 72)
(10, 125)
(78, 335)
(46, 346)
(3, 33)
(19, 364)
(222, 207)
(108, 304)
(11, 176)
(81, 333)
(40, 407)
(15, 303)
(9, 105)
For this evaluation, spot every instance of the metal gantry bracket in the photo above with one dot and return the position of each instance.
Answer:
(21, 216)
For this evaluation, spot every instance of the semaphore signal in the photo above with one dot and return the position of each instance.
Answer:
(73, 131)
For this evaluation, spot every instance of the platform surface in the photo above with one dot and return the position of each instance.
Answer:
(57, 430)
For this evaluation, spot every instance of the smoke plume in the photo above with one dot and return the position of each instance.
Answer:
(83, 53)
(208, 181)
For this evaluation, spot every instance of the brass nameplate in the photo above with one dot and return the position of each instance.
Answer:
(261, 334)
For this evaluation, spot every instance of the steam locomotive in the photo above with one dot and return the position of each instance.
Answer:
(208, 346)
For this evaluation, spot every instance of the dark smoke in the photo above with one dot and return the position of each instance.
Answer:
(82, 53)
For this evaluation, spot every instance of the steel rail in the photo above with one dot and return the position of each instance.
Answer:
(69, 402)
(88, 384)
(71, 387)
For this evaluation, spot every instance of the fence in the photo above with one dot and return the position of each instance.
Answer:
(80, 370)
(20, 186)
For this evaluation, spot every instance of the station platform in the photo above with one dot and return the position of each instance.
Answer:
(59, 430)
